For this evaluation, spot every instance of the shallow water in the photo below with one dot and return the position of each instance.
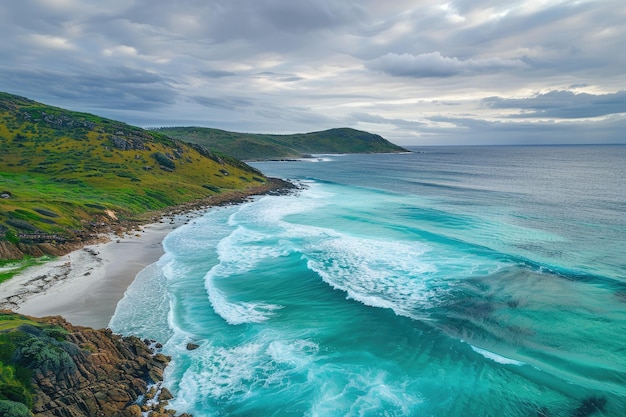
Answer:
(458, 281)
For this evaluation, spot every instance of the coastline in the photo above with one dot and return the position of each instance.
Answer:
(85, 285)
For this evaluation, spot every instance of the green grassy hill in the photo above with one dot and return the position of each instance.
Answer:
(63, 173)
(249, 147)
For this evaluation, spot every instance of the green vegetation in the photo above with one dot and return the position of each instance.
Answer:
(12, 267)
(27, 346)
(247, 146)
(13, 409)
(64, 174)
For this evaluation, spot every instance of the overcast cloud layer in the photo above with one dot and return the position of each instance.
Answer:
(416, 72)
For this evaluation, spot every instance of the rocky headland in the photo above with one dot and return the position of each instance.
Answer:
(80, 372)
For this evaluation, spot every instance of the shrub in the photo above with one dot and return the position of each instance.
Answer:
(213, 188)
(37, 354)
(46, 212)
(21, 224)
(11, 237)
(164, 160)
(17, 393)
(13, 409)
(57, 333)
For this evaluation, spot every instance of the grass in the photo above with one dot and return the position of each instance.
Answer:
(12, 321)
(249, 146)
(13, 267)
(66, 171)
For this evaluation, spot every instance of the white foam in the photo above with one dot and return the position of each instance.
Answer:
(220, 372)
(224, 373)
(238, 312)
(256, 234)
(296, 353)
(378, 273)
(361, 391)
(495, 357)
(270, 210)
(315, 159)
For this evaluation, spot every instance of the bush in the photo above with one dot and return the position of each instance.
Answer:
(213, 188)
(57, 333)
(13, 409)
(11, 237)
(36, 354)
(16, 393)
(164, 160)
(46, 212)
(21, 224)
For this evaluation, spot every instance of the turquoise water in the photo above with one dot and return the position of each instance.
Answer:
(487, 281)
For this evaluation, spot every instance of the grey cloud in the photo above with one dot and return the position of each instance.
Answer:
(116, 87)
(223, 20)
(287, 78)
(562, 104)
(217, 73)
(434, 64)
(285, 66)
(468, 131)
(303, 116)
(397, 123)
(230, 103)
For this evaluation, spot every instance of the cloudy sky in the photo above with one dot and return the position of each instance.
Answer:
(417, 72)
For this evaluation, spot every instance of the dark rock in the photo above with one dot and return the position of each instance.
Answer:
(192, 346)
(165, 395)
(86, 372)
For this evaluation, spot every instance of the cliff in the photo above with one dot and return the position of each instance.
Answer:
(60, 370)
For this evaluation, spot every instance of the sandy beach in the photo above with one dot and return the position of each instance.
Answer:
(85, 286)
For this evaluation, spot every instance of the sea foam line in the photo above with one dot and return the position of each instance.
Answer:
(495, 357)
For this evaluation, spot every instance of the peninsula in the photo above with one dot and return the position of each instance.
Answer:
(254, 146)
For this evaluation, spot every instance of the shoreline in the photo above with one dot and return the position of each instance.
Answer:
(85, 285)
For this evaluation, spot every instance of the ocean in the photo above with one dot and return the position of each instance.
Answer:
(450, 281)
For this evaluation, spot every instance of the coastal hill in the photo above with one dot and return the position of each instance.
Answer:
(66, 176)
(251, 147)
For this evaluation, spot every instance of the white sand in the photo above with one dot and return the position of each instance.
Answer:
(85, 286)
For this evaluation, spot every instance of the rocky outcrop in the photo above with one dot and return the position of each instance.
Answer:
(82, 372)
(9, 251)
